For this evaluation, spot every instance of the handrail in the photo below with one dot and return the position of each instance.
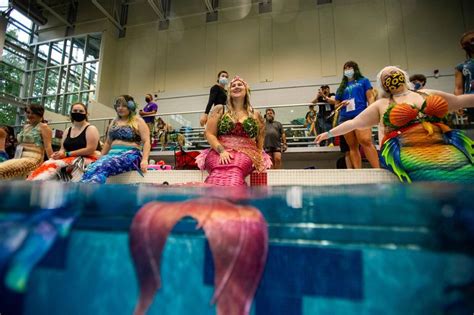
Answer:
(189, 112)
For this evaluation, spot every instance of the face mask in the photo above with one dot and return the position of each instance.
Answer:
(223, 81)
(148, 100)
(393, 81)
(349, 73)
(417, 86)
(78, 117)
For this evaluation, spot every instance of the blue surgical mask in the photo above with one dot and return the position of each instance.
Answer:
(349, 73)
(223, 81)
(417, 86)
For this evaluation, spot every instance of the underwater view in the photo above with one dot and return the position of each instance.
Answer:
(365, 249)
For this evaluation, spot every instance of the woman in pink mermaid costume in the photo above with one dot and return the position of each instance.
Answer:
(417, 145)
(235, 133)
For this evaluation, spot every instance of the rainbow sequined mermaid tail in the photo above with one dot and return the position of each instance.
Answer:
(237, 236)
(429, 152)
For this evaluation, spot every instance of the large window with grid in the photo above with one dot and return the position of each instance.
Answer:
(19, 33)
(63, 72)
(54, 73)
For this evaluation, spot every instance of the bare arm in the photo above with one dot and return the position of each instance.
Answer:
(211, 128)
(370, 96)
(368, 118)
(92, 139)
(455, 102)
(261, 130)
(47, 135)
(108, 142)
(145, 135)
(458, 83)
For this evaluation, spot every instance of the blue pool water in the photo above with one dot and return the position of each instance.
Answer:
(368, 249)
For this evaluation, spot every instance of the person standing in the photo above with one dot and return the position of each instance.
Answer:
(148, 113)
(275, 138)
(464, 73)
(418, 81)
(310, 122)
(217, 95)
(325, 101)
(354, 95)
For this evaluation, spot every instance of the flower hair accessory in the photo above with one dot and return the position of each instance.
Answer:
(237, 78)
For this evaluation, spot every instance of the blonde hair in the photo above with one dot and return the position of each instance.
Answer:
(247, 105)
(380, 87)
(132, 120)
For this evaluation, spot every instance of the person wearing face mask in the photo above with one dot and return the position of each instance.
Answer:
(275, 138)
(148, 113)
(352, 97)
(78, 150)
(418, 81)
(464, 73)
(34, 140)
(417, 144)
(217, 95)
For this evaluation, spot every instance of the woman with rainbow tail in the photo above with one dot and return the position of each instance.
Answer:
(417, 145)
(236, 133)
(78, 150)
(122, 151)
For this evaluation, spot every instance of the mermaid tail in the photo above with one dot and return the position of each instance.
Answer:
(25, 240)
(390, 159)
(21, 167)
(462, 142)
(238, 239)
(436, 154)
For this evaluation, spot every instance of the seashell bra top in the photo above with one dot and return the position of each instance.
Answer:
(403, 115)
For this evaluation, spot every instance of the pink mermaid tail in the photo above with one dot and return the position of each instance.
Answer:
(238, 238)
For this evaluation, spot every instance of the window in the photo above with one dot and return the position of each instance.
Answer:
(54, 73)
(70, 66)
(15, 57)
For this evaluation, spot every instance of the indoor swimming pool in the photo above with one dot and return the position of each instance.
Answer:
(360, 249)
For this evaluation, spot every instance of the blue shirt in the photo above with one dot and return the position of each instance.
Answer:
(355, 89)
(467, 70)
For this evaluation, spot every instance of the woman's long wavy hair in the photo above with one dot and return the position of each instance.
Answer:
(357, 75)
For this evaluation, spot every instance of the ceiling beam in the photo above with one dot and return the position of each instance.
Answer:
(107, 14)
(51, 10)
(158, 10)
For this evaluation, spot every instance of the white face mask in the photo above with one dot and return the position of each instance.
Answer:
(349, 73)
(223, 81)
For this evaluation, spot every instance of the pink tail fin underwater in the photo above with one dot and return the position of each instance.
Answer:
(238, 238)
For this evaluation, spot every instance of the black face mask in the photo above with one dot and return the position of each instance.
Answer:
(78, 117)
(148, 100)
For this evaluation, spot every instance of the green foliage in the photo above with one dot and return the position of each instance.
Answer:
(7, 114)
(10, 81)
